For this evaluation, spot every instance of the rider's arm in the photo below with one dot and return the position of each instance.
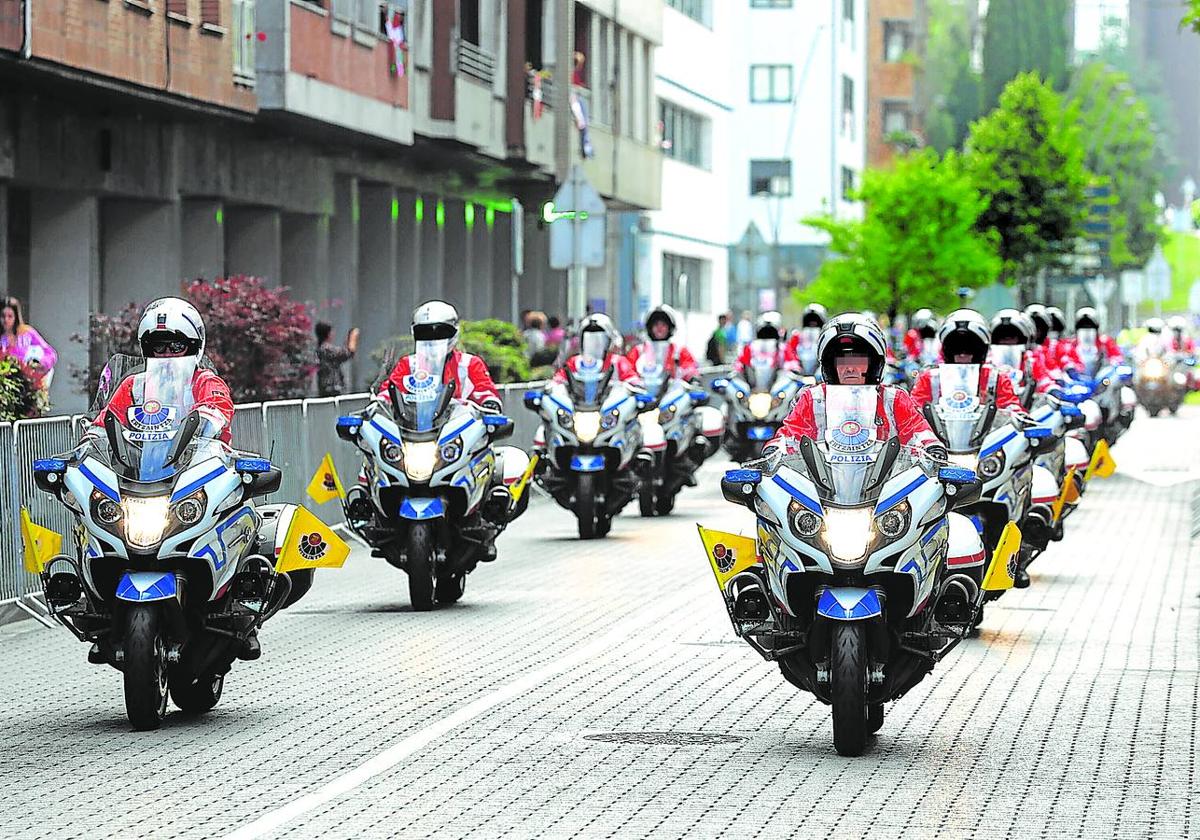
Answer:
(911, 425)
(686, 367)
(625, 371)
(800, 423)
(922, 392)
(118, 404)
(1006, 397)
(396, 377)
(214, 402)
(790, 360)
(742, 360)
(560, 375)
(484, 392)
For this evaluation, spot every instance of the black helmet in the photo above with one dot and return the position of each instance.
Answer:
(1086, 318)
(965, 332)
(852, 334)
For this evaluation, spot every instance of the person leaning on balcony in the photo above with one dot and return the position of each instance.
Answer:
(331, 382)
(23, 342)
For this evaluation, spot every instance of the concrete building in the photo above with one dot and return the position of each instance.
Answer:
(895, 44)
(140, 145)
(798, 141)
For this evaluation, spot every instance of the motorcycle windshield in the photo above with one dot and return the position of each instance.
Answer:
(426, 394)
(760, 373)
(652, 367)
(161, 402)
(851, 444)
(1007, 356)
(958, 410)
(1089, 354)
(588, 381)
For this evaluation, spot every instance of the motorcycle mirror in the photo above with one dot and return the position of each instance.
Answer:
(720, 384)
(698, 397)
(739, 486)
(262, 483)
(533, 400)
(499, 426)
(347, 427)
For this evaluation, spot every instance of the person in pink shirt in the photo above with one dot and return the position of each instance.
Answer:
(20, 340)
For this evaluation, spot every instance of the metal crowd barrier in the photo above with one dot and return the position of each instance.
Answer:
(295, 433)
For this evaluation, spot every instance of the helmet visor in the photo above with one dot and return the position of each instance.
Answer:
(595, 344)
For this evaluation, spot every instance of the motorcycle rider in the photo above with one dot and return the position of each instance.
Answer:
(922, 329)
(812, 321)
(966, 339)
(679, 362)
(1179, 341)
(1059, 356)
(1012, 348)
(769, 329)
(600, 342)
(852, 351)
(1089, 340)
(435, 329)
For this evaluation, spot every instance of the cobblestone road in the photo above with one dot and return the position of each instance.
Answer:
(596, 689)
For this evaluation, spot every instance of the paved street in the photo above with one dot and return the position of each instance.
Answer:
(596, 689)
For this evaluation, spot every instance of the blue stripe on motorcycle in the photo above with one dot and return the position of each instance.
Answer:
(611, 406)
(452, 435)
(804, 500)
(386, 434)
(670, 403)
(897, 497)
(100, 485)
(565, 408)
(997, 445)
(849, 603)
(146, 586)
(184, 492)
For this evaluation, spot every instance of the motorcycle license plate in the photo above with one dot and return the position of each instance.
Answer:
(760, 433)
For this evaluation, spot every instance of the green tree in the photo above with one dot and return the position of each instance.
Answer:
(949, 83)
(1120, 149)
(1192, 18)
(1026, 158)
(916, 244)
(1022, 36)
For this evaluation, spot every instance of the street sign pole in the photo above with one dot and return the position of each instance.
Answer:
(577, 274)
(518, 260)
(577, 235)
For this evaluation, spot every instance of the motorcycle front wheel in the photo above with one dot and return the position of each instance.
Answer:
(848, 686)
(646, 498)
(420, 566)
(586, 507)
(145, 668)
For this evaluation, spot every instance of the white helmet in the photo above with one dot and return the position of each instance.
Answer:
(597, 336)
(852, 334)
(435, 320)
(770, 325)
(1154, 326)
(171, 326)
(1177, 323)
(965, 332)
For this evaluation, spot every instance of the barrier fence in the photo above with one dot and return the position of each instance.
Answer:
(296, 434)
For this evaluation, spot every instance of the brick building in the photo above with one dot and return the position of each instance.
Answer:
(895, 44)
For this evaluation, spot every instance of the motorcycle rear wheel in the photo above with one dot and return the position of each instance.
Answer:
(145, 669)
(586, 509)
(664, 504)
(848, 686)
(420, 567)
(198, 697)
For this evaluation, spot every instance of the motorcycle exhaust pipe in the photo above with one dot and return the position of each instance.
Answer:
(956, 600)
(64, 589)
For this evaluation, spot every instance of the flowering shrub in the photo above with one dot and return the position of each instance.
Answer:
(258, 339)
(498, 343)
(21, 393)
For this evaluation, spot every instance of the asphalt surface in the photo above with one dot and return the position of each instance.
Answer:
(596, 689)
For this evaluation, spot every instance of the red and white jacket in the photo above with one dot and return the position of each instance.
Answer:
(623, 368)
(991, 383)
(914, 345)
(680, 363)
(785, 358)
(1187, 345)
(1061, 355)
(896, 415)
(210, 394)
(469, 374)
(1107, 345)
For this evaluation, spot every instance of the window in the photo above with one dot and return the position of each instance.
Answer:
(896, 39)
(770, 4)
(770, 83)
(771, 177)
(685, 134)
(698, 10)
(468, 21)
(896, 117)
(242, 12)
(848, 22)
(847, 107)
(847, 183)
(685, 282)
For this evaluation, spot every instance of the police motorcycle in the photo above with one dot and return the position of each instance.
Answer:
(173, 565)
(1109, 383)
(435, 490)
(680, 434)
(757, 402)
(856, 584)
(594, 461)
(997, 448)
(1161, 379)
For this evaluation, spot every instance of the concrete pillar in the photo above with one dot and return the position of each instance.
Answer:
(479, 283)
(64, 261)
(343, 272)
(305, 257)
(500, 236)
(376, 266)
(202, 239)
(430, 277)
(456, 258)
(139, 252)
(252, 243)
(408, 255)
(5, 245)
(16, 232)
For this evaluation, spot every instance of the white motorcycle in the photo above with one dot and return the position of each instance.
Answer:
(594, 461)
(856, 583)
(435, 491)
(757, 402)
(173, 566)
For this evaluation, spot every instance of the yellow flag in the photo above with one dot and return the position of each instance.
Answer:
(40, 544)
(728, 554)
(519, 487)
(1068, 496)
(999, 575)
(310, 544)
(1102, 463)
(325, 484)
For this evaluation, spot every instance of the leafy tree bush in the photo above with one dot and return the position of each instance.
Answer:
(498, 343)
(21, 393)
(916, 245)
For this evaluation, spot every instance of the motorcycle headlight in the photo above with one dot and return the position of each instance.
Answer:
(805, 524)
(609, 420)
(189, 511)
(392, 453)
(451, 451)
(587, 425)
(1154, 369)
(420, 458)
(105, 510)
(992, 465)
(848, 532)
(146, 519)
(760, 405)
(967, 460)
(893, 522)
(566, 419)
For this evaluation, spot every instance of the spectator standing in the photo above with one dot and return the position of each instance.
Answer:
(717, 347)
(556, 335)
(535, 333)
(331, 382)
(745, 330)
(20, 340)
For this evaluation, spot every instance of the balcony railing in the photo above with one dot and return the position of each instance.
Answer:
(475, 62)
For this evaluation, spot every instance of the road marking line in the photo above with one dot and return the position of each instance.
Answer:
(393, 755)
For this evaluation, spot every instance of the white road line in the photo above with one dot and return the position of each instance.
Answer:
(398, 752)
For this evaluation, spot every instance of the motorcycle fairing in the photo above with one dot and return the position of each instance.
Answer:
(143, 587)
(849, 603)
(587, 463)
(419, 510)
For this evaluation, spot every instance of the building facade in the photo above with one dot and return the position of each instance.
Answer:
(365, 154)
(895, 46)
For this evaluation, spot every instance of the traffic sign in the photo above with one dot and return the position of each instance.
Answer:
(577, 224)
(1101, 289)
(1158, 276)
(1133, 287)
